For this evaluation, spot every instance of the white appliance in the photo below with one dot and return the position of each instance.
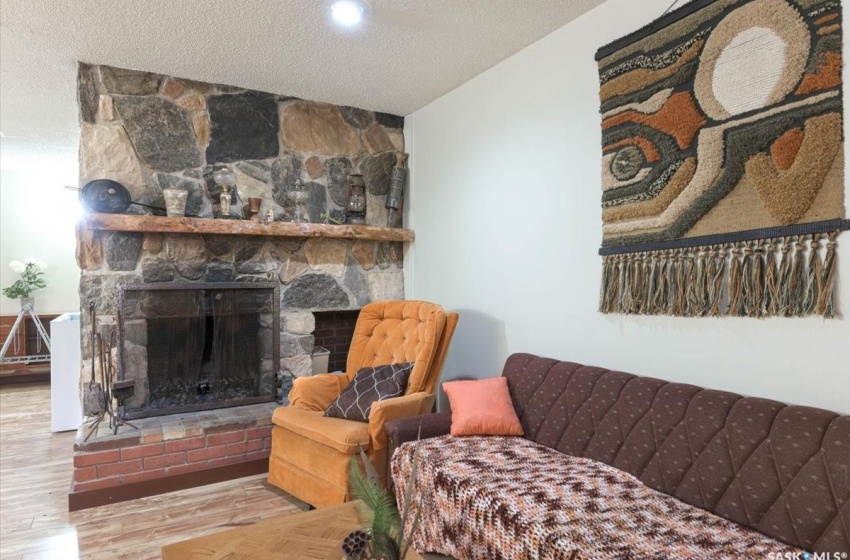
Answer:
(65, 410)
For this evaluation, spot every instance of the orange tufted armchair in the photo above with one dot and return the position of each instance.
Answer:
(310, 452)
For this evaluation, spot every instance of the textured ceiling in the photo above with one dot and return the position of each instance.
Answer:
(406, 54)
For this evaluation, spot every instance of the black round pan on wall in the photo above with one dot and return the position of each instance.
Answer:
(110, 197)
(106, 195)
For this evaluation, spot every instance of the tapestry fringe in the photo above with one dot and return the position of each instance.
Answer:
(784, 277)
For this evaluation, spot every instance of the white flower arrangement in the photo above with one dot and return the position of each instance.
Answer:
(18, 266)
(30, 281)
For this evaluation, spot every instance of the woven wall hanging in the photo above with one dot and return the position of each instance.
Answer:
(723, 161)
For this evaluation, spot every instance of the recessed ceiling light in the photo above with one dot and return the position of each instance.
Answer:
(347, 12)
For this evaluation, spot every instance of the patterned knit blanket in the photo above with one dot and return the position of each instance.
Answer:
(493, 498)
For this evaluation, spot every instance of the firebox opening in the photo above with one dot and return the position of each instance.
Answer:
(334, 331)
(198, 346)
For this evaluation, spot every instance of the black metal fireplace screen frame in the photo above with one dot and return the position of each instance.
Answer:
(123, 289)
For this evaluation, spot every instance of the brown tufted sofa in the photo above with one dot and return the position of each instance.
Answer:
(777, 471)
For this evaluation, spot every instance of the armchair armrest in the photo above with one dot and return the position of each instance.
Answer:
(393, 409)
(408, 429)
(318, 391)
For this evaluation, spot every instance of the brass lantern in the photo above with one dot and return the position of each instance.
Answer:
(355, 210)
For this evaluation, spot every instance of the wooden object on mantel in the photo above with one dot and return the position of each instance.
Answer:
(162, 224)
(313, 535)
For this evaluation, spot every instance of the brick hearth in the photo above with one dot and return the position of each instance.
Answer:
(168, 446)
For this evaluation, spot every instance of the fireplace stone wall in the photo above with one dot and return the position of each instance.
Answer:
(150, 131)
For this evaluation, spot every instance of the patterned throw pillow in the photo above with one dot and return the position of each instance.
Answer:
(371, 384)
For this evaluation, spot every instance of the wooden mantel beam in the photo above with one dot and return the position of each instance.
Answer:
(161, 224)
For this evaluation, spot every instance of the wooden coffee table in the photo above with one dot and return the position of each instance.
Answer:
(312, 535)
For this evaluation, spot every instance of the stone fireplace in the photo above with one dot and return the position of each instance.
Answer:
(216, 317)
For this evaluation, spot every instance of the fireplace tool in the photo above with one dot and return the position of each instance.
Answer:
(88, 406)
(103, 403)
(94, 401)
(122, 389)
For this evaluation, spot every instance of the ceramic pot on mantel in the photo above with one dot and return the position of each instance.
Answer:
(28, 301)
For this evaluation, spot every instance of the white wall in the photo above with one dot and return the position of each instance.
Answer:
(37, 217)
(505, 190)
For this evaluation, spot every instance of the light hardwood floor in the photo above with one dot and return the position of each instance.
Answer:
(35, 474)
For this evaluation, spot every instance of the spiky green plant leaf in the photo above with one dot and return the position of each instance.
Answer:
(407, 541)
(389, 541)
(385, 548)
(371, 472)
(385, 522)
(392, 522)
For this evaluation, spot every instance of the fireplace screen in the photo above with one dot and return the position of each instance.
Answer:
(197, 346)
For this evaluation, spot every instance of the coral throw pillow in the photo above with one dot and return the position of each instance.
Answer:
(482, 408)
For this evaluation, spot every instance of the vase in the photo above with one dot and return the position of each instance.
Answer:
(28, 301)
(300, 196)
(175, 202)
(251, 210)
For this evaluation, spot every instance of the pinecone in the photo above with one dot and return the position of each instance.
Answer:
(355, 544)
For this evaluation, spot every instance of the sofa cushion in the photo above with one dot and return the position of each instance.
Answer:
(510, 498)
(371, 384)
(346, 436)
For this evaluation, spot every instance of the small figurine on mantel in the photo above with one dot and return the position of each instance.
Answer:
(395, 196)
(225, 200)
